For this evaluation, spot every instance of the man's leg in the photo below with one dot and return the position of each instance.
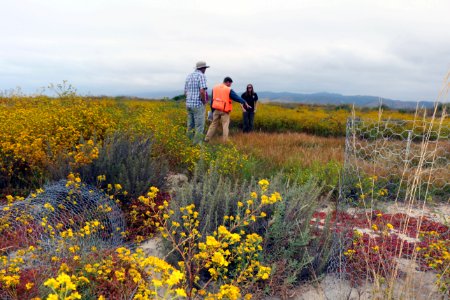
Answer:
(213, 126)
(190, 123)
(199, 119)
(225, 118)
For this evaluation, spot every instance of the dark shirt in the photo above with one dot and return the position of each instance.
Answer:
(251, 100)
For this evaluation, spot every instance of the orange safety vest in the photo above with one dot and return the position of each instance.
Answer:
(221, 98)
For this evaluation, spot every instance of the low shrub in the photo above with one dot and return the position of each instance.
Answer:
(296, 249)
(128, 159)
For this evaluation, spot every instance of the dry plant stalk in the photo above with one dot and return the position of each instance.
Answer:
(414, 177)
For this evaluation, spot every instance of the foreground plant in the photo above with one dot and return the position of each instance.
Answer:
(227, 262)
(121, 273)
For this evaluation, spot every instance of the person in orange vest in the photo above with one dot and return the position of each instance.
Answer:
(222, 96)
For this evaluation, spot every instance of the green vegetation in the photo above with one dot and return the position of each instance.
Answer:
(258, 206)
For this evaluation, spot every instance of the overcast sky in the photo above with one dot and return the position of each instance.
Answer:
(387, 48)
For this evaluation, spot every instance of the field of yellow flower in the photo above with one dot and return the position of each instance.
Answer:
(98, 144)
(40, 134)
(317, 120)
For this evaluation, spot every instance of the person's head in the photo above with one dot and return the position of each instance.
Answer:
(249, 89)
(227, 81)
(201, 65)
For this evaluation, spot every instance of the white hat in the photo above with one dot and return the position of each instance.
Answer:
(201, 65)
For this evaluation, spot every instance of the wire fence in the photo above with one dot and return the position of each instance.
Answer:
(64, 220)
(393, 170)
(387, 157)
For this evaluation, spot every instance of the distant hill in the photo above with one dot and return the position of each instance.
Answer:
(316, 98)
(156, 94)
(338, 99)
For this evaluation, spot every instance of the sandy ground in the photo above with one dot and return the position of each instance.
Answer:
(151, 247)
(418, 286)
(439, 212)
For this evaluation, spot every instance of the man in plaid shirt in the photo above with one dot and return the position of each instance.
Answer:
(196, 97)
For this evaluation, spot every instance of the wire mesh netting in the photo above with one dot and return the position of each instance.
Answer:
(395, 155)
(64, 220)
(393, 170)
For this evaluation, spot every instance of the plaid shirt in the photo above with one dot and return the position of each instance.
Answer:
(194, 82)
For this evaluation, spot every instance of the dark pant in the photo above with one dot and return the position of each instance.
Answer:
(248, 117)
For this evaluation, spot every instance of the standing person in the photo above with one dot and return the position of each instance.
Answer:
(249, 115)
(222, 94)
(196, 98)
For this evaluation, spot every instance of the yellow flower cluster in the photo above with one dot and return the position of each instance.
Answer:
(228, 291)
(9, 273)
(230, 255)
(151, 195)
(85, 153)
(349, 252)
(437, 255)
(73, 180)
(62, 288)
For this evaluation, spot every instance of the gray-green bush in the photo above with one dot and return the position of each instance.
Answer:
(128, 159)
(294, 248)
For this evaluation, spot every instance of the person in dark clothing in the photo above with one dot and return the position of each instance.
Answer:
(249, 115)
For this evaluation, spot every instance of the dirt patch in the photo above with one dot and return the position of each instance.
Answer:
(439, 212)
(415, 285)
(152, 247)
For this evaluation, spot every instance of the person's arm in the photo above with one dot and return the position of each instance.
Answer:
(256, 101)
(212, 99)
(235, 97)
(203, 95)
(203, 88)
(242, 106)
(185, 87)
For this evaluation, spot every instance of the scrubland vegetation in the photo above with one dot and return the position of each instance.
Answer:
(249, 222)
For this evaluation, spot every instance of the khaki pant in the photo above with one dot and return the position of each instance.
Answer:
(224, 118)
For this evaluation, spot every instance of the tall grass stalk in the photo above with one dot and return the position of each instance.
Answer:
(414, 198)
(415, 195)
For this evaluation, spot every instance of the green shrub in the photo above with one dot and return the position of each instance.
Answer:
(128, 159)
(213, 194)
(296, 249)
(290, 240)
(326, 175)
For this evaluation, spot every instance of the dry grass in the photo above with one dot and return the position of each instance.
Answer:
(285, 149)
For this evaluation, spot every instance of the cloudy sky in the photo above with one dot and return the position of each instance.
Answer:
(387, 48)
